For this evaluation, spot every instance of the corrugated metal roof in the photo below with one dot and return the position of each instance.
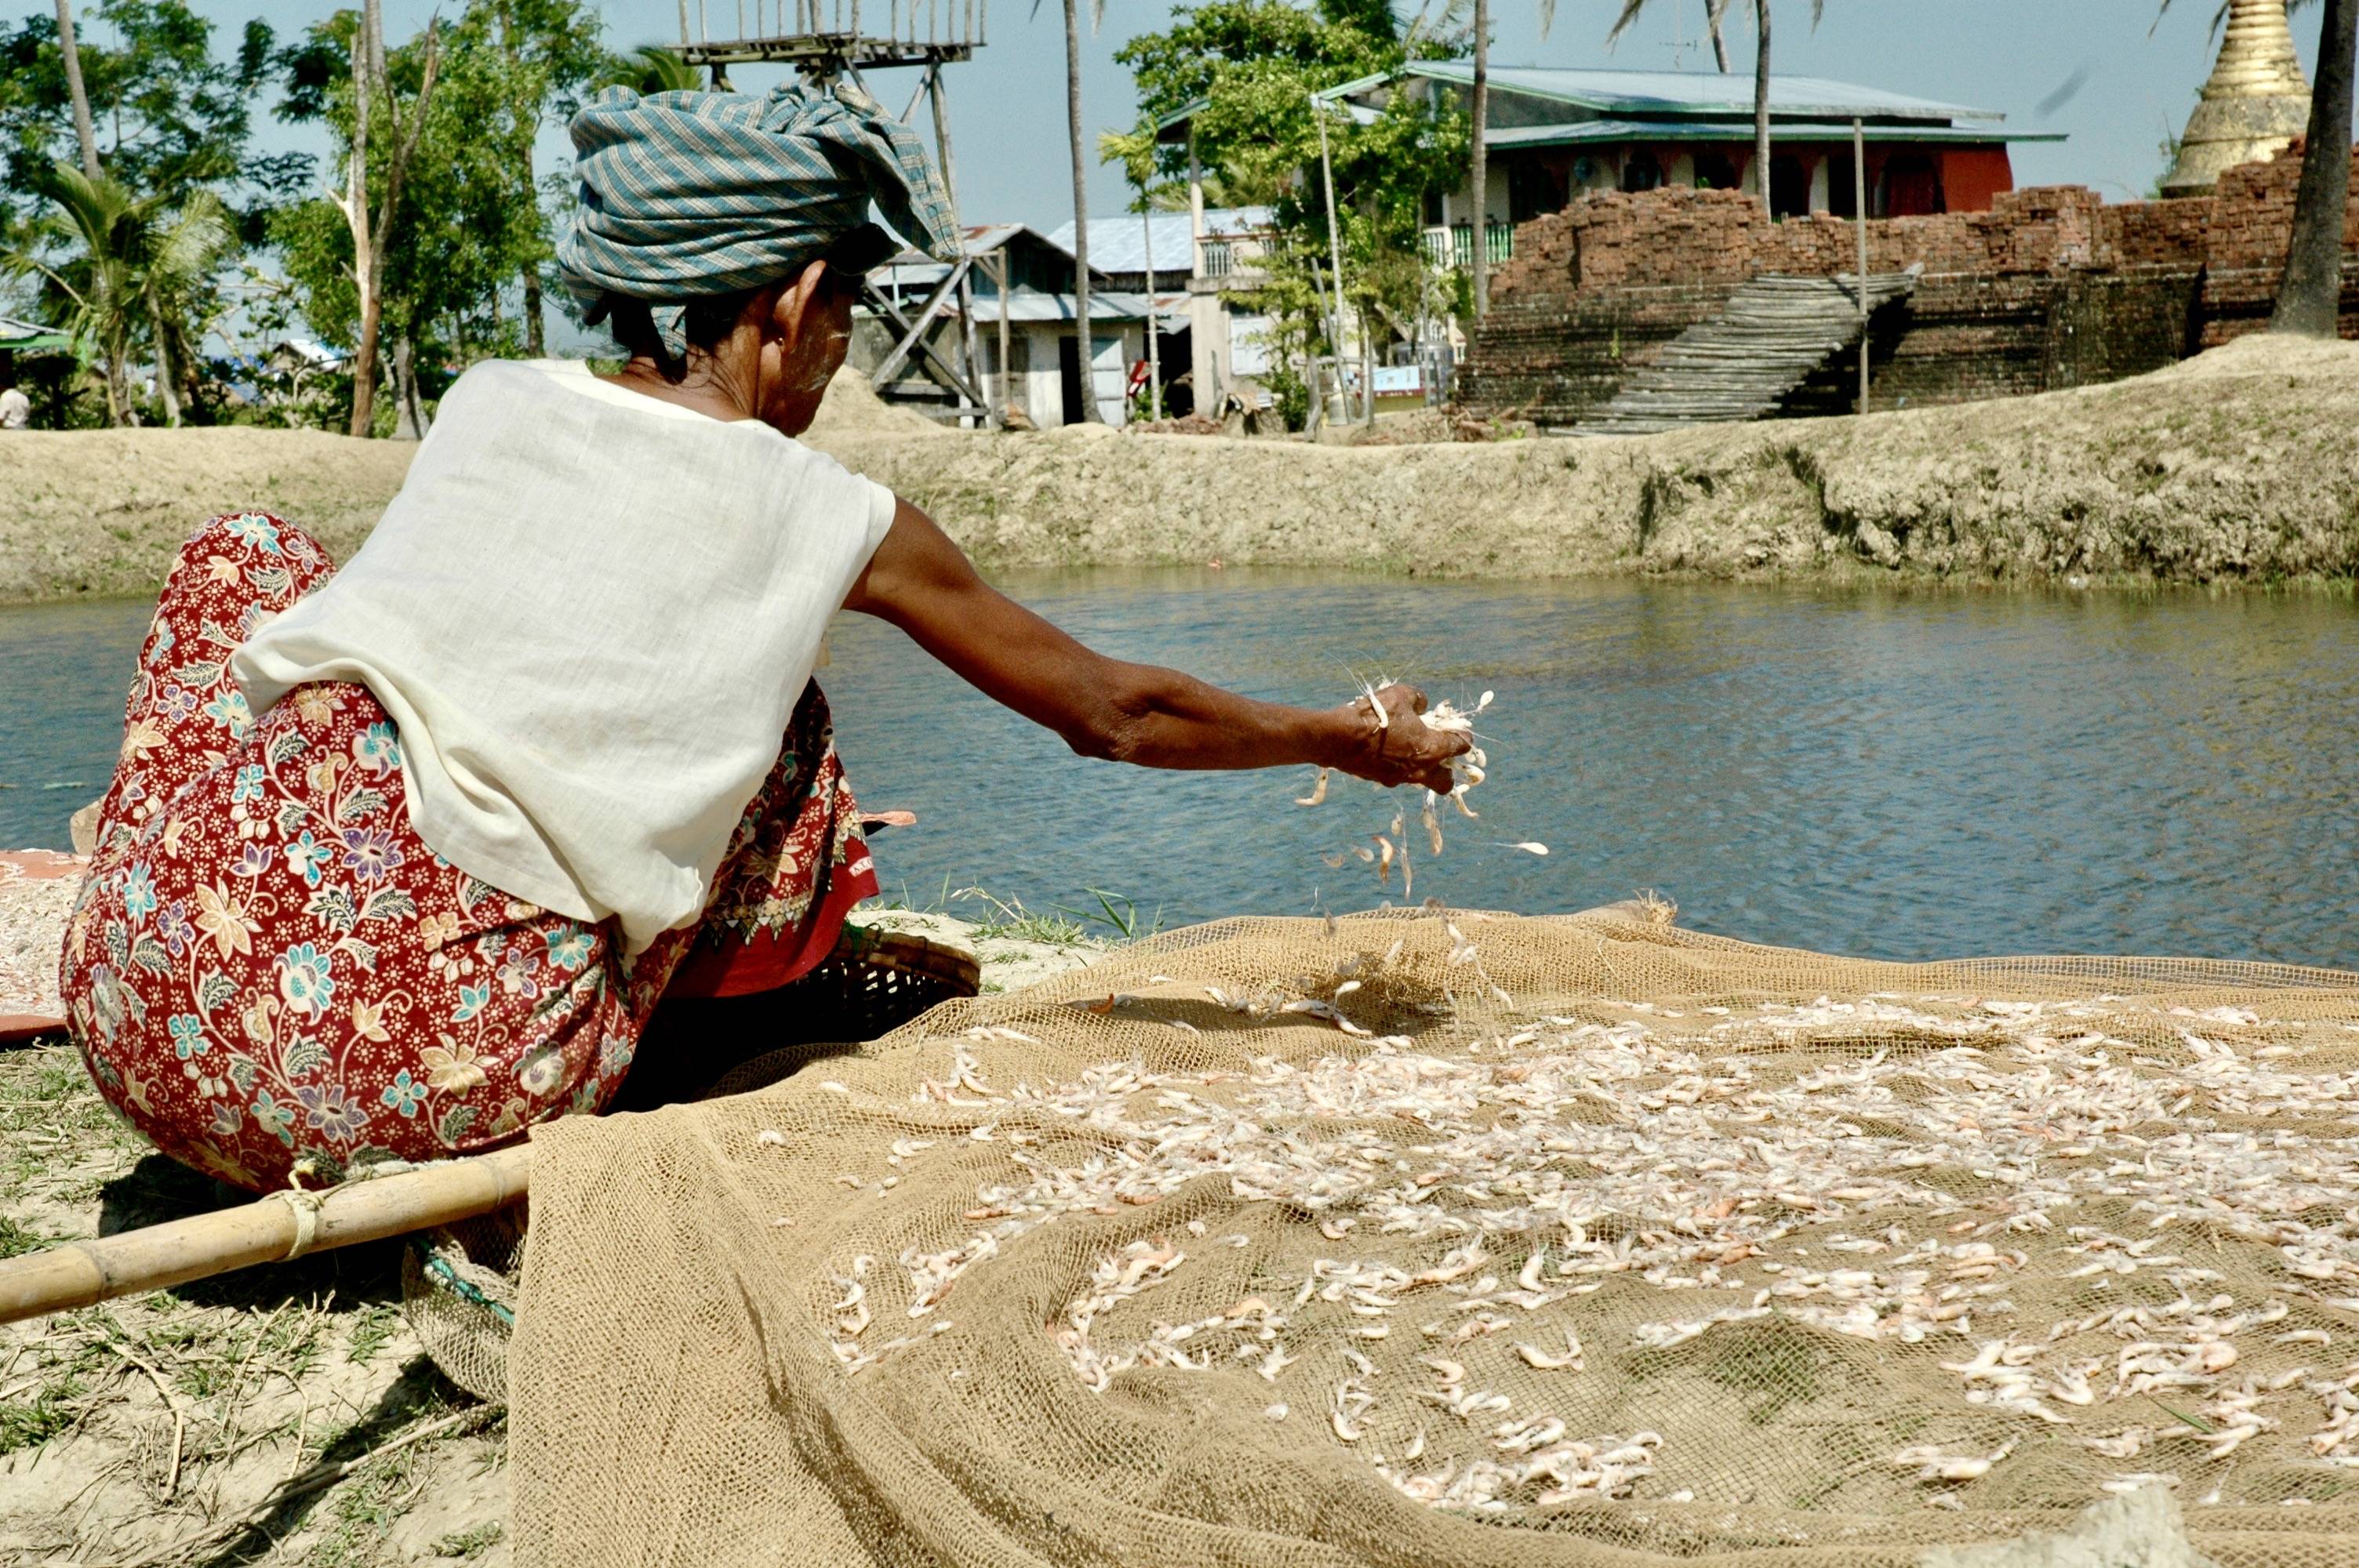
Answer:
(1654, 94)
(1583, 132)
(1119, 244)
(25, 336)
(976, 240)
(1105, 304)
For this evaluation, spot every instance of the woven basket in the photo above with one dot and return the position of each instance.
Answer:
(458, 1282)
(876, 980)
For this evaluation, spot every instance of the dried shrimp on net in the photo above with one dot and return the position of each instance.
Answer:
(1620, 1235)
(1571, 1258)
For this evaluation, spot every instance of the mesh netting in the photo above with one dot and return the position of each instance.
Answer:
(1418, 1237)
(458, 1294)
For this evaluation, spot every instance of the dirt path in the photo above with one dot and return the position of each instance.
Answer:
(2234, 467)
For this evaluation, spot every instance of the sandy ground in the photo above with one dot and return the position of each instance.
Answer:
(286, 1414)
(2234, 467)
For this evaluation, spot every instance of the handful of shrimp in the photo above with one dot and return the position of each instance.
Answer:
(1466, 770)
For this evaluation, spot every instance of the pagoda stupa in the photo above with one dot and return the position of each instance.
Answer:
(2256, 102)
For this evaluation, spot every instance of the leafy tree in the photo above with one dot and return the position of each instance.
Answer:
(155, 136)
(549, 53)
(466, 223)
(1256, 64)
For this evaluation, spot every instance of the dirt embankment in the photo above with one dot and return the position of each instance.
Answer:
(99, 513)
(2238, 466)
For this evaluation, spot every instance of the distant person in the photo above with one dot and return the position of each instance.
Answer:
(16, 409)
(399, 860)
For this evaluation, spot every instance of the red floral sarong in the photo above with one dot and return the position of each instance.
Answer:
(266, 964)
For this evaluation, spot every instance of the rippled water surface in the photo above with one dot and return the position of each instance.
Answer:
(1897, 776)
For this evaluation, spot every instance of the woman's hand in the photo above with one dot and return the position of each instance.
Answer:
(1391, 745)
(923, 583)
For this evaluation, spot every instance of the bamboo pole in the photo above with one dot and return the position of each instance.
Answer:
(79, 1273)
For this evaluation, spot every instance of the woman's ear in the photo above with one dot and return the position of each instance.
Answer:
(798, 300)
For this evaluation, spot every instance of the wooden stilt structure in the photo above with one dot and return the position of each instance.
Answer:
(827, 39)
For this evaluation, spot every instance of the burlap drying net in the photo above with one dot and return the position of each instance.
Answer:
(1606, 1243)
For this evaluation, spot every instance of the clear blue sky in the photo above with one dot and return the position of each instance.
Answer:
(1007, 105)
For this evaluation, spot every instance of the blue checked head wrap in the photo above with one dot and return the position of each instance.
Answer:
(688, 194)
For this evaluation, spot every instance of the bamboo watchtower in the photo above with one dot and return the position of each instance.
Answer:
(825, 41)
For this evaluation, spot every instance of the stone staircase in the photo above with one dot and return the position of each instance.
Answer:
(1774, 334)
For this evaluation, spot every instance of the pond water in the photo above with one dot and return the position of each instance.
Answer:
(1898, 776)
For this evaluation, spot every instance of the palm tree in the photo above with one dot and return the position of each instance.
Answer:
(2309, 296)
(1714, 13)
(651, 70)
(85, 138)
(142, 262)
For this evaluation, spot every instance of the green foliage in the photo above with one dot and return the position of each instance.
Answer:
(127, 264)
(1254, 64)
(168, 112)
(132, 261)
(470, 222)
(33, 1419)
(651, 70)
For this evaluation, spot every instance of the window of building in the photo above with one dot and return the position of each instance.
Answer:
(1790, 187)
(1532, 188)
(1640, 171)
(1912, 186)
(1716, 171)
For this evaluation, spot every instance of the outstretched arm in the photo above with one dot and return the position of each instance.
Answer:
(924, 584)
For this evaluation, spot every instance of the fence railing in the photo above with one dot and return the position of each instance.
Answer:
(1454, 245)
(1219, 259)
(937, 21)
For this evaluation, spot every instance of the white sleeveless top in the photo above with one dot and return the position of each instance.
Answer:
(590, 614)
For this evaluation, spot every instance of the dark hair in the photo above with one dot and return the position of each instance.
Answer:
(709, 318)
(850, 258)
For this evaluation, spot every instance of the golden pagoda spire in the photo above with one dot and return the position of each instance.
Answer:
(2256, 102)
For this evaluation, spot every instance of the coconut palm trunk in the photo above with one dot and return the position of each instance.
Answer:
(118, 385)
(2309, 296)
(1479, 176)
(1761, 105)
(1089, 411)
(86, 137)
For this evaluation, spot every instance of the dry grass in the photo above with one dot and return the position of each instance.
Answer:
(282, 1415)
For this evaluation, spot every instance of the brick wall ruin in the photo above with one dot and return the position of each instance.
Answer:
(2051, 287)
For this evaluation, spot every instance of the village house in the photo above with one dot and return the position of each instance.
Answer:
(1186, 294)
(1555, 134)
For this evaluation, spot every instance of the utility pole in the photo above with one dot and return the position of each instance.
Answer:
(1481, 174)
(1859, 225)
(1334, 246)
(1154, 349)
